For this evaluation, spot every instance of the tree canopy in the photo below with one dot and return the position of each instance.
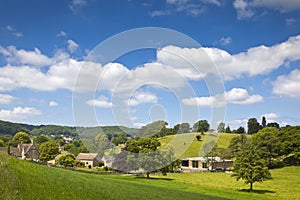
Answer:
(201, 126)
(253, 126)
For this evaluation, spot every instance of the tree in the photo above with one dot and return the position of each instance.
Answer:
(41, 139)
(221, 127)
(273, 124)
(48, 150)
(240, 130)
(198, 137)
(253, 126)
(263, 122)
(102, 143)
(66, 160)
(238, 144)
(181, 128)
(250, 167)
(201, 126)
(227, 130)
(1, 143)
(267, 144)
(20, 137)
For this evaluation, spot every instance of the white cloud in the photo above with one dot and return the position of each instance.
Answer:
(76, 4)
(18, 34)
(242, 8)
(270, 116)
(9, 28)
(18, 113)
(234, 96)
(142, 97)
(157, 13)
(247, 8)
(255, 61)
(225, 41)
(288, 85)
(23, 57)
(6, 99)
(72, 46)
(62, 34)
(101, 102)
(53, 104)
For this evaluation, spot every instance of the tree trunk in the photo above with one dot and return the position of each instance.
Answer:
(251, 187)
(148, 174)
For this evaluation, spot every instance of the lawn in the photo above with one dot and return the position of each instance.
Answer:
(25, 180)
(188, 146)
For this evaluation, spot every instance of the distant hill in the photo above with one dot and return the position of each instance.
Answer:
(10, 128)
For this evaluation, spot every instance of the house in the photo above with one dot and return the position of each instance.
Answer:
(53, 162)
(89, 159)
(25, 151)
(203, 164)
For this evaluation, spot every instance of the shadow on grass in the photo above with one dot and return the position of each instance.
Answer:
(257, 191)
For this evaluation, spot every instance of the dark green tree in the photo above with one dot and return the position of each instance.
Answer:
(238, 144)
(221, 127)
(267, 144)
(263, 122)
(250, 167)
(273, 124)
(48, 150)
(67, 160)
(253, 126)
(201, 126)
(181, 128)
(41, 139)
(228, 130)
(240, 130)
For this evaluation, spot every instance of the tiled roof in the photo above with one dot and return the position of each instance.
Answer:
(86, 156)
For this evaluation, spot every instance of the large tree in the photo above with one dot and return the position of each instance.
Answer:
(181, 128)
(263, 122)
(250, 167)
(20, 137)
(221, 127)
(48, 150)
(253, 126)
(238, 144)
(201, 126)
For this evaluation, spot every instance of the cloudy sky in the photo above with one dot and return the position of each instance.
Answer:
(248, 49)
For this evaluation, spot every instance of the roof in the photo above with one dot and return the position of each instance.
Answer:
(86, 156)
(217, 159)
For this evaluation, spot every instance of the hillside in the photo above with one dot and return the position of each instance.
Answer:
(187, 145)
(25, 180)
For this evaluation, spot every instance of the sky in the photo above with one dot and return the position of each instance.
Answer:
(89, 62)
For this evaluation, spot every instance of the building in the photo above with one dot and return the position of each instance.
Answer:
(203, 164)
(25, 151)
(89, 159)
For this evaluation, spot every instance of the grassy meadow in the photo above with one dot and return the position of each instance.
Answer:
(25, 180)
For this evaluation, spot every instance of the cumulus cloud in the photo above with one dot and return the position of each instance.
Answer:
(18, 113)
(6, 99)
(290, 21)
(288, 85)
(76, 4)
(23, 57)
(270, 116)
(142, 97)
(101, 102)
(53, 104)
(72, 46)
(247, 8)
(234, 96)
(255, 61)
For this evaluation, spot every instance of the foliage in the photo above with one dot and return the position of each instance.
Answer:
(253, 126)
(120, 139)
(41, 139)
(263, 122)
(273, 124)
(154, 129)
(240, 130)
(198, 137)
(221, 127)
(102, 144)
(48, 150)
(181, 128)
(267, 144)
(250, 167)
(75, 147)
(1, 143)
(228, 130)
(201, 126)
(10, 128)
(67, 160)
(238, 144)
(20, 137)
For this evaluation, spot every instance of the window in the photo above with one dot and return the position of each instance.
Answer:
(204, 165)
(195, 163)
(185, 163)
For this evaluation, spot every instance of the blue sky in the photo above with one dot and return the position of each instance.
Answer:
(48, 76)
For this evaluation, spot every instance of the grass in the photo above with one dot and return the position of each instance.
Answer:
(186, 145)
(25, 180)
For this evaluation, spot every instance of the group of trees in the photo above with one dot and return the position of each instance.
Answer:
(267, 149)
(253, 126)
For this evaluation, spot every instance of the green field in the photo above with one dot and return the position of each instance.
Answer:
(186, 145)
(25, 180)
